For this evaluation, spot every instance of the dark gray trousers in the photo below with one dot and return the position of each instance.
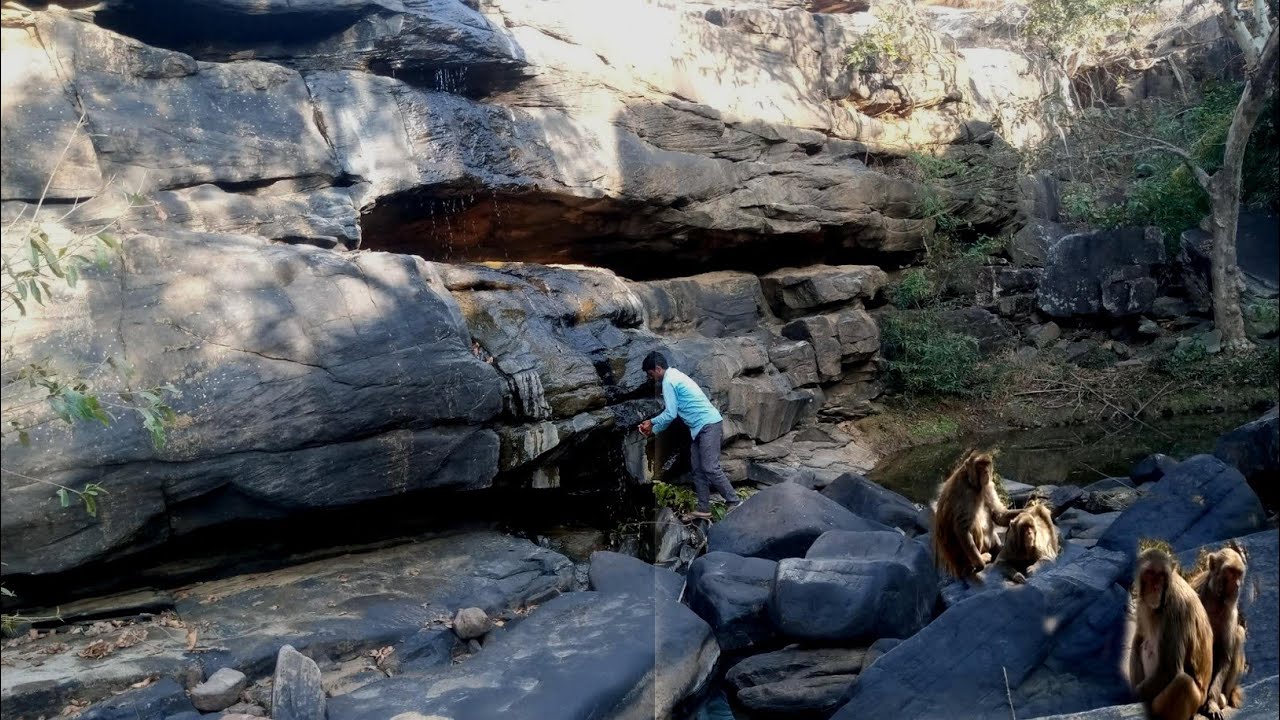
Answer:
(707, 473)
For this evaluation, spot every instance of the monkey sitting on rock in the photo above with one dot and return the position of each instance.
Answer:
(1032, 539)
(967, 514)
(1217, 582)
(1171, 651)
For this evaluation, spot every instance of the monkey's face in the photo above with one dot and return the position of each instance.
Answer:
(983, 471)
(1226, 573)
(1153, 581)
(1024, 529)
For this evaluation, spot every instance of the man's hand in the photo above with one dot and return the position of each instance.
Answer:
(646, 428)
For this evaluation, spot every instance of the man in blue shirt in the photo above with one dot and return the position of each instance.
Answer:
(684, 399)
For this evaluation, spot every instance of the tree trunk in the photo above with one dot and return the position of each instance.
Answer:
(1227, 282)
(1224, 193)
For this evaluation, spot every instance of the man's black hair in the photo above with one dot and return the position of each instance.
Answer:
(654, 360)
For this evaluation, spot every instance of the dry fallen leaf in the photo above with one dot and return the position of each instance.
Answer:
(131, 637)
(97, 649)
(192, 637)
(75, 707)
(344, 578)
(211, 599)
(33, 634)
(414, 572)
(53, 649)
(143, 682)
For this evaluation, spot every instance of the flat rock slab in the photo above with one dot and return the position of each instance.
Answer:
(1260, 701)
(330, 609)
(796, 682)
(582, 655)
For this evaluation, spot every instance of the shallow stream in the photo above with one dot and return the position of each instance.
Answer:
(1077, 455)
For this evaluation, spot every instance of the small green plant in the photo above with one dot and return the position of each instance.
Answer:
(888, 43)
(678, 498)
(925, 359)
(914, 290)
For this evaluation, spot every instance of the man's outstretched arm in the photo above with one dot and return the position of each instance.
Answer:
(662, 421)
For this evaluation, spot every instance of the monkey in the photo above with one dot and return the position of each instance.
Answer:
(968, 510)
(1218, 586)
(1031, 539)
(1171, 655)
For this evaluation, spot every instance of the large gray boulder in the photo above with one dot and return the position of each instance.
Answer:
(1254, 450)
(1108, 272)
(855, 587)
(782, 521)
(1058, 639)
(1202, 500)
(581, 655)
(732, 594)
(869, 500)
(358, 365)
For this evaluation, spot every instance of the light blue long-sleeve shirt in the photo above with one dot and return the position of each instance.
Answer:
(684, 399)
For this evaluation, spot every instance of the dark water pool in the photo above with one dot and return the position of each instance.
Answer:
(1076, 455)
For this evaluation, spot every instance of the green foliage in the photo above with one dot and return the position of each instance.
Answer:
(1262, 318)
(27, 271)
(35, 266)
(1165, 193)
(684, 500)
(87, 496)
(1061, 25)
(1192, 363)
(926, 359)
(677, 497)
(914, 290)
(890, 43)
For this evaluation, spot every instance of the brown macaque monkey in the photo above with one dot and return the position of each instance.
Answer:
(1171, 656)
(967, 513)
(1218, 586)
(1031, 539)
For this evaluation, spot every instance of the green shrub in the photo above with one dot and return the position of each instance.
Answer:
(1192, 363)
(914, 290)
(926, 359)
(1262, 318)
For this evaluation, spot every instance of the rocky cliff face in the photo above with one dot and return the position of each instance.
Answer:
(245, 169)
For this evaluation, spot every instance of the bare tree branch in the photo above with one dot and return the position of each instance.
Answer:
(1233, 24)
(1262, 17)
(1250, 105)
(1202, 177)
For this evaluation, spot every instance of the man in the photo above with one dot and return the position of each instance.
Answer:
(685, 400)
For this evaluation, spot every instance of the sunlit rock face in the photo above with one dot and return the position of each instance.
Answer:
(636, 135)
(729, 177)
